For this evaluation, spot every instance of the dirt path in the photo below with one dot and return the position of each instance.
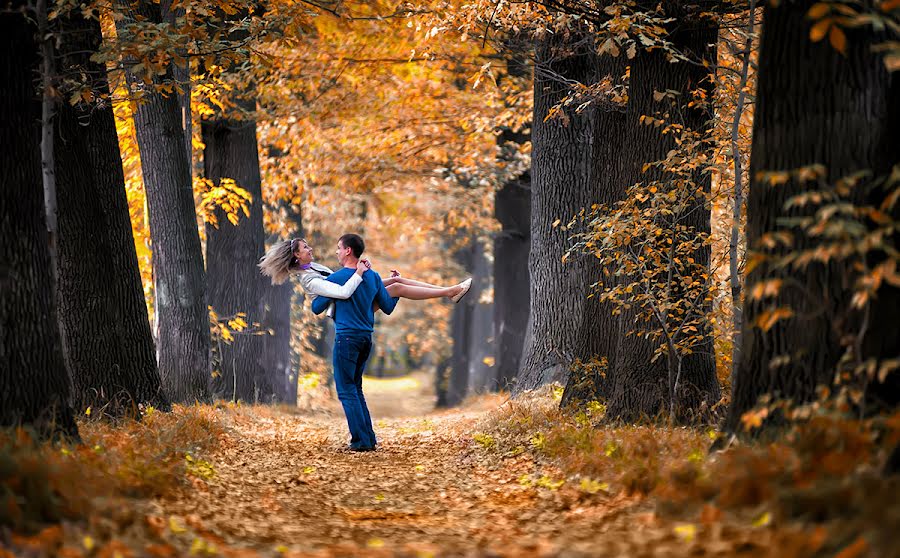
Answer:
(283, 485)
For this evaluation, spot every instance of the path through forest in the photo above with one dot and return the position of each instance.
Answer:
(284, 485)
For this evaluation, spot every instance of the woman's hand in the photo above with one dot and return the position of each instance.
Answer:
(395, 273)
(363, 266)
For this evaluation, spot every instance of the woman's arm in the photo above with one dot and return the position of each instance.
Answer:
(320, 286)
(315, 284)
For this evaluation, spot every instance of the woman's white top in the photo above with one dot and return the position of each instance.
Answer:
(314, 283)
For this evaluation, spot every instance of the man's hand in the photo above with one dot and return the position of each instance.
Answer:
(395, 273)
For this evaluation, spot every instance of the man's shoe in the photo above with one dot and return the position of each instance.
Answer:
(466, 285)
(362, 448)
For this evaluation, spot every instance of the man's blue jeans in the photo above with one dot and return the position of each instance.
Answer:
(351, 350)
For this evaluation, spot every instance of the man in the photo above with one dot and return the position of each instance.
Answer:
(354, 321)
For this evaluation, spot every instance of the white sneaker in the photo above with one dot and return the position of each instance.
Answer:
(466, 285)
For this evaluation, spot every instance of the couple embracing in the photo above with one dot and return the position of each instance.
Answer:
(351, 296)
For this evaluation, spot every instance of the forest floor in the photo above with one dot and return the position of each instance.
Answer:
(279, 482)
(290, 487)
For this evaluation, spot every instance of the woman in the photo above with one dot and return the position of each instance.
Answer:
(296, 257)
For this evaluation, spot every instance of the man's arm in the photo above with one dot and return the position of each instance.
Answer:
(384, 301)
(320, 303)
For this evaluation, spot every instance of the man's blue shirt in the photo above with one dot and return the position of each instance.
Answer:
(356, 314)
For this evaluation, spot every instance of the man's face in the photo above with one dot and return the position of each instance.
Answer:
(342, 252)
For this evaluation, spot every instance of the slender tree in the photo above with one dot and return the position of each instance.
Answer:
(574, 165)
(834, 114)
(34, 383)
(183, 341)
(101, 299)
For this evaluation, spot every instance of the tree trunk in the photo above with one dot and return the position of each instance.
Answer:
(181, 73)
(636, 386)
(460, 333)
(34, 382)
(441, 383)
(232, 251)
(815, 105)
(482, 316)
(183, 341)
(512, 206)
(101, 299)
(276, 352)
(574, 162)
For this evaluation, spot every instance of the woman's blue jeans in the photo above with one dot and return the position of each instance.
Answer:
(351, 351)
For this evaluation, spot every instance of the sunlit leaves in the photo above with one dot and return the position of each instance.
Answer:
(226, 198)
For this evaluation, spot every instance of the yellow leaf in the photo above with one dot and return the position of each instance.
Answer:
(87, 411)
(88, 543)
(488, 360)
(686, 531)
(763, 520)
(175, 525)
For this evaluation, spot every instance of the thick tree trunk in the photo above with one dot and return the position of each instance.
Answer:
(481, 329)
(232, 252)
(183, 341)
(512, 206)
(635, 385)
(574, 161)
(815, 105)
(34, 382)
(101, 299)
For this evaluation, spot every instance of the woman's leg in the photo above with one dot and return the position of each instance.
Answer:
(388, 281)
(418, 292)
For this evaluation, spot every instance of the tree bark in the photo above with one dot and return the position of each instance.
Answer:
(512, 295)
(738, 201)
(482, 317)
(574, 165)
(34, 382)
(232, 251)
(815, 105)
(277, 353)
(635, 386)
(460, 333)
(183, 341)
(101, 300)
(181, 73)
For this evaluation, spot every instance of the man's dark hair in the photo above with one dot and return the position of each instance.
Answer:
(355, 243)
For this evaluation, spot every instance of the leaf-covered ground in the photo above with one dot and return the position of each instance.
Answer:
(495, 478)
(284, 484)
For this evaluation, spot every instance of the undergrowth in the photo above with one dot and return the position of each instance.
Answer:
(821, 480)
(52, 494)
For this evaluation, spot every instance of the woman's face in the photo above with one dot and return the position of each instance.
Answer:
(304, 253)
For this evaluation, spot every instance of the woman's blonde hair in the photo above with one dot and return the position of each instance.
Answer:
(279, 262)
